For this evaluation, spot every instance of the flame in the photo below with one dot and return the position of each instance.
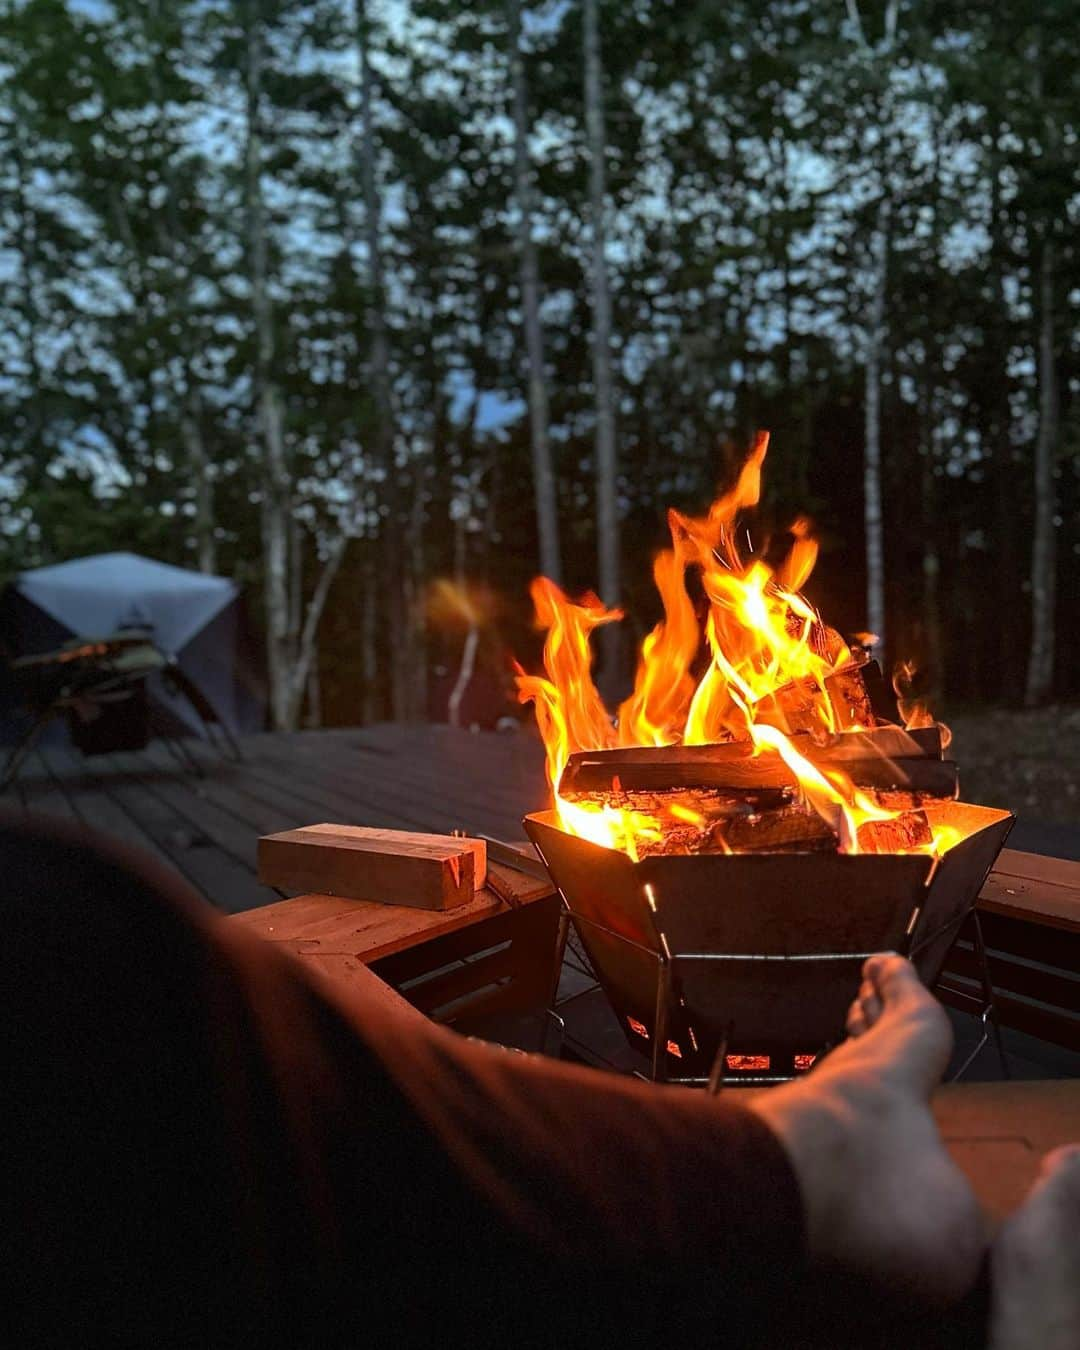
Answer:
(913, 710)
(768, 660)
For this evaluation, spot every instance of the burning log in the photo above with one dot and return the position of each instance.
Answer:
(899, 834)
(693, 821)
(883, 758)
(849, 697)
(792, 829)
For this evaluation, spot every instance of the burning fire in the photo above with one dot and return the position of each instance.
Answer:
(771, 668)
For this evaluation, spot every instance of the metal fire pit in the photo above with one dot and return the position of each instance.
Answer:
(747, 963)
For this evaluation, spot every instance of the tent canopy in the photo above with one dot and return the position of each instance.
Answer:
(191, 617)
(97, 596)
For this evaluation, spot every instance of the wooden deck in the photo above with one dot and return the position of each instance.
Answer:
(422, 777)
(409, 777)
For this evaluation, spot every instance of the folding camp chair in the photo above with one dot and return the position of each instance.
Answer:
(100, 686)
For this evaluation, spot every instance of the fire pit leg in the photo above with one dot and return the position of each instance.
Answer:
(660, 1023)
(989, 1001)
(715, 1084)
(988, 1013)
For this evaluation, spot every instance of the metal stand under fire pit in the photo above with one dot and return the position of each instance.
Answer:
(743, 966)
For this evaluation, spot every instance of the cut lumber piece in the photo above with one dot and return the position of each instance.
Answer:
(368, 833)
(392, 867)
(516, 888)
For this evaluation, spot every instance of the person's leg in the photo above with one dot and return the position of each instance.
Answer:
(1035, 1263)
(881, 1194)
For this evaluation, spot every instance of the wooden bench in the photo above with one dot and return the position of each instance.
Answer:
(1029, 913)
(458, 966)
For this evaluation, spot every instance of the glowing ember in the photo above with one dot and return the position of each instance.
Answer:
(772, 668)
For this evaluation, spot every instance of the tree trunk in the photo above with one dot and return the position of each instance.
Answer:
(172, 240)
(392, 579)
(607, 499)
(198, 464)
(544, 483)
(275, 483)
(931, 556)
(873, 512)
(1040, 671)
(999, 417)
(416, 707)
(305, 646)
(369, 638)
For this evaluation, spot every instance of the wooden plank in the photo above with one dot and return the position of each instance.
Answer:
(331, 925)
(1037, 867)
(1048, 987)
(444, 802)
(998, 1133)
(364, 836)
(226, 883)
(437, 991)
(330, 788)
(1031, 899)
(490, 780)
(1046, 1024)
(516, 888)
(1029, 941)
(390, 867)
(347, 973)
(292, 799)
(99, 813)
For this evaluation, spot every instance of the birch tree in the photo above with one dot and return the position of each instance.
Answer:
(291, 627)
(607, 468)
(544, 482)
(395, 608)
(1040, 669)
(875, 331)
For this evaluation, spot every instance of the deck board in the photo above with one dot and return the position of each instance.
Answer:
(206, 828)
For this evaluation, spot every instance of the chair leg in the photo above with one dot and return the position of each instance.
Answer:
(176, 747)
(24, 745)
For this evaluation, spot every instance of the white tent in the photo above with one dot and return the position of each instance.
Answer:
(190, 617)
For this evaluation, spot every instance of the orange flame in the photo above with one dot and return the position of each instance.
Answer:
(768, 659)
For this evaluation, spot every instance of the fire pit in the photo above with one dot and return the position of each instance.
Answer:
(755, 957)
(751, 824)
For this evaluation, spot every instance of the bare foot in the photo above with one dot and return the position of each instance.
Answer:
(1035, 1263)
(883, 1198)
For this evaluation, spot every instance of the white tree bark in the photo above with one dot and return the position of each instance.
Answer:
(464, 675)
(303, 662)
(202, 485)
(544, 482)
(1040, 671)
(873, 506)
(607, 501)
(875, 334)
(275, 485)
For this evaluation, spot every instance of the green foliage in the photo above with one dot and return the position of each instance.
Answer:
(750, 145)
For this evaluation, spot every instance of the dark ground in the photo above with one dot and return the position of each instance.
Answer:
(1027, 762)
